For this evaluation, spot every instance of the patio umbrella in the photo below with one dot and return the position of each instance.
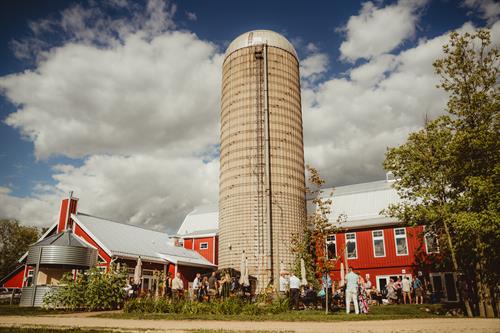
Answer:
(242, 269)
(138, 271)
(342, 274)
(246, 280)
(303, 272)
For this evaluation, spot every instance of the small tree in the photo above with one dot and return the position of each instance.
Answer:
(311, 245)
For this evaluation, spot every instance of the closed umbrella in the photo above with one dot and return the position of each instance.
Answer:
(342, 274)
(303, 272)
(242, 269)
(246, 280)
(138, 271)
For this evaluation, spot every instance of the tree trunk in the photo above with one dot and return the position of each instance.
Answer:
(468, 309)
(485, 297)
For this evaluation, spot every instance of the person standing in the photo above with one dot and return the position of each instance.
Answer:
(406, 287)
(283, 285)
(398, 289)
(226, 286)
(212, 286)
(419, 290)
(351, 292)
(294, 291)
(196, 286)
(177, 286)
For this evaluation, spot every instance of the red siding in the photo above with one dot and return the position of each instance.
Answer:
(390, 264)
(80, 232)
(15, 281)
(209, 252)
(63, 214)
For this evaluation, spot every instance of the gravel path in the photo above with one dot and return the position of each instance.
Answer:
(444, 325)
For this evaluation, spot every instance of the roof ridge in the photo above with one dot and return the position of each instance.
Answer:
(117, 222)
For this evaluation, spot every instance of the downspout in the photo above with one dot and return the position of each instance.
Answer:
(267, 157)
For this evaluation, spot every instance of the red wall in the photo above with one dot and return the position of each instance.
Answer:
(208, 253)
(15, 281)
(80, 232)
(366, 261)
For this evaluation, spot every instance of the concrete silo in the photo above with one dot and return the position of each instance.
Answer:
(261, 190)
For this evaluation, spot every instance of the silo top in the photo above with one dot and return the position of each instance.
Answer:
(257, 37)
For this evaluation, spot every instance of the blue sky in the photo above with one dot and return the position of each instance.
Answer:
(59, 133)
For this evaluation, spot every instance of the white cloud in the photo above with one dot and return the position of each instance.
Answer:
(487, 9)
(350, 121)
(313, 66)
(191, 16)
(377, 30)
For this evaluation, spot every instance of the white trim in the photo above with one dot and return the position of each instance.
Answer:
(328, 242)
(355, 245)
(396, 242)
(91, 235)
(213, 258)
(201, 245)
(378, 238)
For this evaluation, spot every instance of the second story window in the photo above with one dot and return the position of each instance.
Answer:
(203, 246)
(331, 245)
(378, 243)
(351, 248)
(401, 242)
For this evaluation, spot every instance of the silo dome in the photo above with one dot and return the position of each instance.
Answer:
(257, 37)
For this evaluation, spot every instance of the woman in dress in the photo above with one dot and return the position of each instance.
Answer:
(362, 296)
(226, 286)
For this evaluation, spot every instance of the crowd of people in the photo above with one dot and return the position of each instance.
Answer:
(354, 291)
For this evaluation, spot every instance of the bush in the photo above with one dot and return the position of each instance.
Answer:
(230, 306)
(91, 290)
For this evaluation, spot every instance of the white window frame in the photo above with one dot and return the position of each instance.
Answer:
(378, 238)
(396, 242)
(355, 245)
(426, 245)
(329, 241)
(204, 246)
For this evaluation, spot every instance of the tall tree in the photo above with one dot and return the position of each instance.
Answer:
(14, 242)
(448, 173)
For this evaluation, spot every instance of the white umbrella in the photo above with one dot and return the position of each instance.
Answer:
(138, 271)
(242, 269)
(282, 267)
(303, 272)
(246, 281)
(342, 274)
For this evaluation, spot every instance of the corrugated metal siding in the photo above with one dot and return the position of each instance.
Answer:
(27, 295)
(62, 255)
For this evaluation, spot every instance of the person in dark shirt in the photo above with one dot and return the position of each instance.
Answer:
(212, 286)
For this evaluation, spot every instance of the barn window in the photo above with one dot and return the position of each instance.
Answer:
(203, 246)
(378, 243)
(350, 239)
(401, 242)
(331, 245)
(431, 242)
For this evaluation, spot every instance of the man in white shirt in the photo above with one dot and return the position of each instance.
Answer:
(196, 286)
(294, 291)
(351, 291)
(283, 284)
(177, 286)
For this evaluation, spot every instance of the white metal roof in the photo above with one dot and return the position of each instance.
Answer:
(257, 37)
(362, 203)
(119, 239)
(202, 219)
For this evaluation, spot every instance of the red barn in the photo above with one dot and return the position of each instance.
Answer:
(119, 243)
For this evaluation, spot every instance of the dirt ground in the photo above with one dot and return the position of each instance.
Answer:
(441, 325)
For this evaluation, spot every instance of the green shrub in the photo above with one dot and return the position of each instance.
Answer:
(230, 306)
(91, 290)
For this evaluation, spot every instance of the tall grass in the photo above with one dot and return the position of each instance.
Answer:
(230, 306)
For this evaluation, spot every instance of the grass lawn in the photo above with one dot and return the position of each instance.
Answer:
(15, 310)
(376, 313)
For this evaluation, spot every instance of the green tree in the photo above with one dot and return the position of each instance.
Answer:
(14, 242)
(448, 173)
